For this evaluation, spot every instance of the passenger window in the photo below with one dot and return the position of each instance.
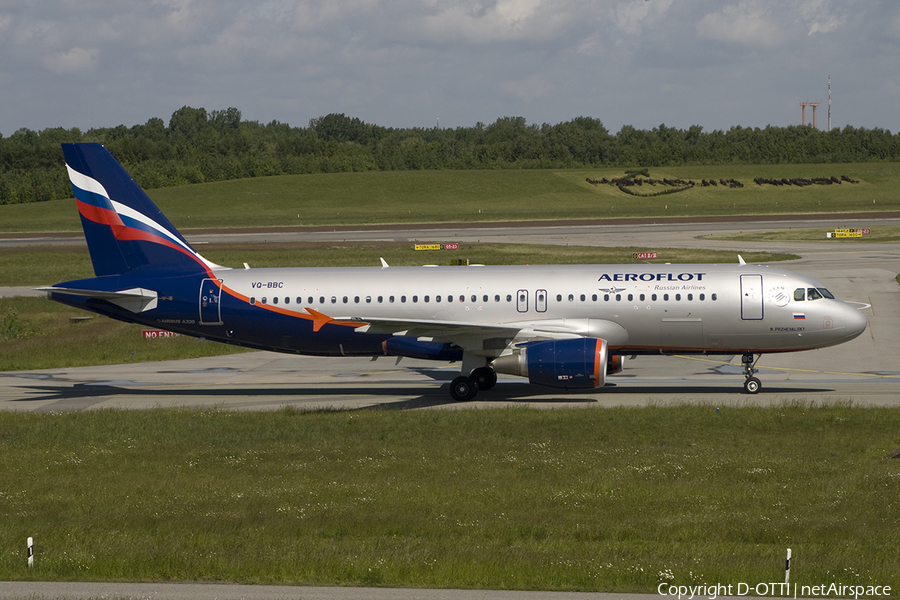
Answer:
(427, 299)
(799, 295)
(678, 296)
(415, 298)
(559, 297)
(474, 299)
(485, 299)
(714, 297)
(582, 297)
(813, 294)
(380, 299)
(368, 299)
(321, 299)
(606, 297)
(437, 298)
(264, 300)
(252, 300)
(571, 297)
(643, 297)
(666, 297)
(462, 298)
(334, 299)
(391, 299)
(287, 300)
(630, 297)
(345, 299)
(402, 298)
(356, 299)
(594, 297)
(497, 298)
(702, 297)
(618, 297)
(509, 297)
(275, 300)
(690, 297)
(653, 297)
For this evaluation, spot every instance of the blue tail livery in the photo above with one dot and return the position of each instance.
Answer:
(560, 326)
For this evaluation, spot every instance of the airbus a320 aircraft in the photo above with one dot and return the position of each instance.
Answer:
(559, 326)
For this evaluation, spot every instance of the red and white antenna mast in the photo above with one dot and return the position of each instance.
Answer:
(829, 103)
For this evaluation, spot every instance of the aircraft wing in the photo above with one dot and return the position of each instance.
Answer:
(473, 335)
(448, 331)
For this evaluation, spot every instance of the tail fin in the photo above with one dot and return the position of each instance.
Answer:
(125, 231)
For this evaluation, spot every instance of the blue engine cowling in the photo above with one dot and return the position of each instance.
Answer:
(577, 363)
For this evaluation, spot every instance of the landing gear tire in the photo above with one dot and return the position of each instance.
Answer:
(463, 388)
(485, 377)
(752, 385)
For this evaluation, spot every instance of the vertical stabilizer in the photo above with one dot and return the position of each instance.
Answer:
(125, 231)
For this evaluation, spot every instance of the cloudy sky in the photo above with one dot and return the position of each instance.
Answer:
(410, 63)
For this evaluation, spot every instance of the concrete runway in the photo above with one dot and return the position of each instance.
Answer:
(864, 371)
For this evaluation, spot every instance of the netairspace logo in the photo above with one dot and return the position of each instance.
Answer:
(776, 590)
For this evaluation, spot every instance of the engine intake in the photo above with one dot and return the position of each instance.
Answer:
(578, 363)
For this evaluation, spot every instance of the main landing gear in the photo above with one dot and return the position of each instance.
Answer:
(464, 388)
(751, 383)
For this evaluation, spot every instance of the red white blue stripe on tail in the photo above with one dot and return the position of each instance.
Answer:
(125, 231)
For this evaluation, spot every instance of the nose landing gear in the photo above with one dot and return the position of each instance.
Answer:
(751, 383)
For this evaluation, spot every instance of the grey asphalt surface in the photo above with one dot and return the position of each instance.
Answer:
(865, 371)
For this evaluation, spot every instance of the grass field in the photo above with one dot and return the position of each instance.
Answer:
(575, 499)
(477, 196)
(45, 265)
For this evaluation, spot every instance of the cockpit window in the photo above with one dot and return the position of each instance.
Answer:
(826, 293)
(813, 294)
(799, 295)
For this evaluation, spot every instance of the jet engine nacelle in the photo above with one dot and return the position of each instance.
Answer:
(615, 364)
(576, 363)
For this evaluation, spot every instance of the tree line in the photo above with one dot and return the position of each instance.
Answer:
(198, 146)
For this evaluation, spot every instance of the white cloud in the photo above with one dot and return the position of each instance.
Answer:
(748, 24)
(76, 60)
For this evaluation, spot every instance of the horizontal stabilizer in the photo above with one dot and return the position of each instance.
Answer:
(135, 299)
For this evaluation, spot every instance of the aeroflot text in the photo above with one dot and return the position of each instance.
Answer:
(652, 277)
(713, 591)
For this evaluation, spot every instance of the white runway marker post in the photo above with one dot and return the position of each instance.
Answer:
(787, 568)
(30, 552)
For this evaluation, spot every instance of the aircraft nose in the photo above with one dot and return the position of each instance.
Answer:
(855, 321)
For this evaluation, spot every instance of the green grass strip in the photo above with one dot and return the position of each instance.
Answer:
(484, 196)
(618, 499)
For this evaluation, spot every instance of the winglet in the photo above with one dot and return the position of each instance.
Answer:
(319, 319)
(384, 264)
(741, 260)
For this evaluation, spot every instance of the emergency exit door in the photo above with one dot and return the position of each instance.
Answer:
(210, 295)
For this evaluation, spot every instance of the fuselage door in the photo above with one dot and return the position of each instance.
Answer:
(540, 301)
(522, 301)
(210, 294)
(751, 297)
